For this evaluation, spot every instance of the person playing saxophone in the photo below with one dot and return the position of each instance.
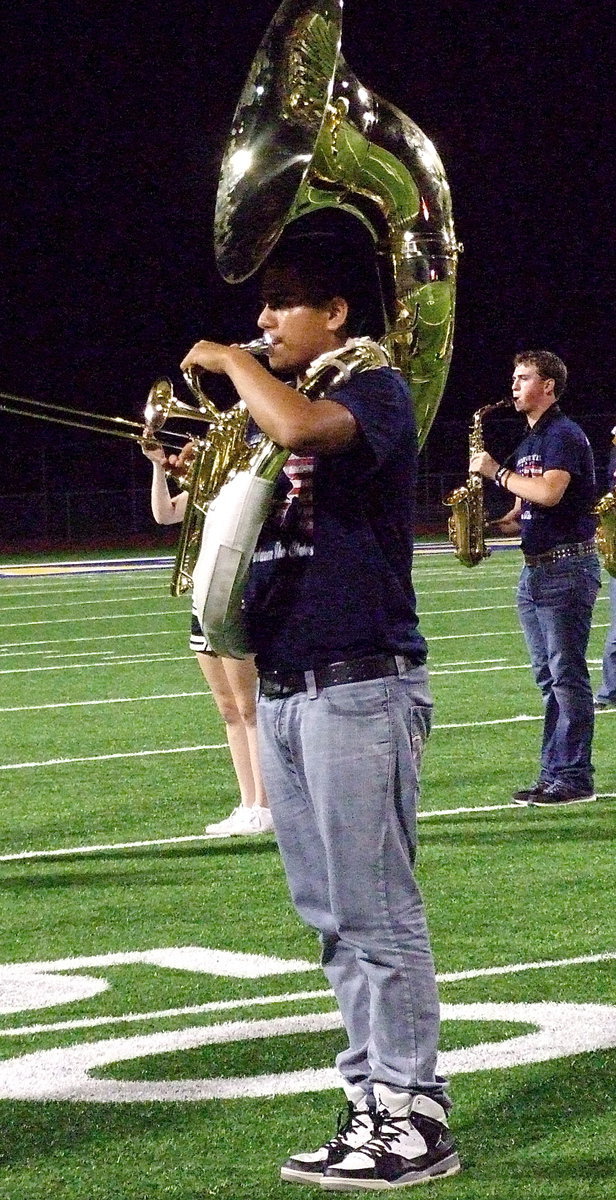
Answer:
(553, 484)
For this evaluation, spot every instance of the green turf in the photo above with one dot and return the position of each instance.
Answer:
(503, 887)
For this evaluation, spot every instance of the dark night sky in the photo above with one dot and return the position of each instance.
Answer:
(117, 118)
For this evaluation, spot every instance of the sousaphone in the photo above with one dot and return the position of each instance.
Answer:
(308, 136)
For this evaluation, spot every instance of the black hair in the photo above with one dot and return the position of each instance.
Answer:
(322, 255)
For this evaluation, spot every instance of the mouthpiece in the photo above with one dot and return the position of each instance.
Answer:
(258, 346)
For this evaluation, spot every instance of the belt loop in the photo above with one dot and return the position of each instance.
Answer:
(401, 664)
(311, 685)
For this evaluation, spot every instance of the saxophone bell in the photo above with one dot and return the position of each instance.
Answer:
(605, 510)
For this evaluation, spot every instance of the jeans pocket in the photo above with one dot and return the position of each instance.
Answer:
(421, 721)
(367, 699)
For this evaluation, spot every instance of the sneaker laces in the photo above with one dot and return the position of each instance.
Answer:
(387, 1129)
(346, 1123)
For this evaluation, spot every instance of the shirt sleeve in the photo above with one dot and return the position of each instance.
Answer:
(382, 406)
(565, 451)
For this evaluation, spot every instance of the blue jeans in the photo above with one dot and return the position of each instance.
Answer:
(341, 770)
(607, 691)
(555, 603)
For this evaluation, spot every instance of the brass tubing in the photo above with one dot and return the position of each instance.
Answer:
(39, 410)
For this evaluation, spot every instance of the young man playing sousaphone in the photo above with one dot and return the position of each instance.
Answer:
(344, 706)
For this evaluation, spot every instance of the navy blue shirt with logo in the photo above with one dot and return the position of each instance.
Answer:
(556, 443)
(331, 575)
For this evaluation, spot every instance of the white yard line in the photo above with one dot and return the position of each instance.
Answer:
(467, 663)
(515, 968)
(13, 608)
(111, 700)
(606, 712)
(487, 633)
(288, 997)
(56, 654)
(472, 670)
(69, 851)
(60, 588)
(158, 633)
(441, 612)
(423, 571)
(62, 762)
(63, 852)
(133, 660)
(169, 612)
(51, 762)
(429, 592)
(166, 1013)
(98, 637)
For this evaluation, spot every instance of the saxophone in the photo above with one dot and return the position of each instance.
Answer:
(605, 510)
(467, 523)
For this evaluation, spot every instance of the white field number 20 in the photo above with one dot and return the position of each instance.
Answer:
(65, 1073)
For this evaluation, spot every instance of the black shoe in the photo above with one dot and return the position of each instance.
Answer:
(554, 795)
(411, 1144)
(355, 1127)
(527, 795)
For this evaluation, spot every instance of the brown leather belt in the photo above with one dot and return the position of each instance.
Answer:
(572, 550)
(276, 685)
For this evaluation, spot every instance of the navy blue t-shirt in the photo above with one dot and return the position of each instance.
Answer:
(556, 443)
(331, 575)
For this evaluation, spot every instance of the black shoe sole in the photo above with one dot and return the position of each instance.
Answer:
(448, 1166)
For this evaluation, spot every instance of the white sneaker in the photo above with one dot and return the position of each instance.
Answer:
(411, 1144)
(242, 821)
(354, 1128)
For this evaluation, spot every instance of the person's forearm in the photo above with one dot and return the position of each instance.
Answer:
(164, 508)
(279, 410)
(539, 490)
(510, 522)
(545, 489)
(284, 414)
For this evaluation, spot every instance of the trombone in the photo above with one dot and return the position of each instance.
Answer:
(162, 405)
(159, 408)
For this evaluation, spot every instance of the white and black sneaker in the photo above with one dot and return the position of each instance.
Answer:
(411, 1144)
(355, 1126)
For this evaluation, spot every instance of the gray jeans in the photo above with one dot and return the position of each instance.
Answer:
(341, 769)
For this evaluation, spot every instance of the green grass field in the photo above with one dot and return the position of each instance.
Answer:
(165, 1032)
